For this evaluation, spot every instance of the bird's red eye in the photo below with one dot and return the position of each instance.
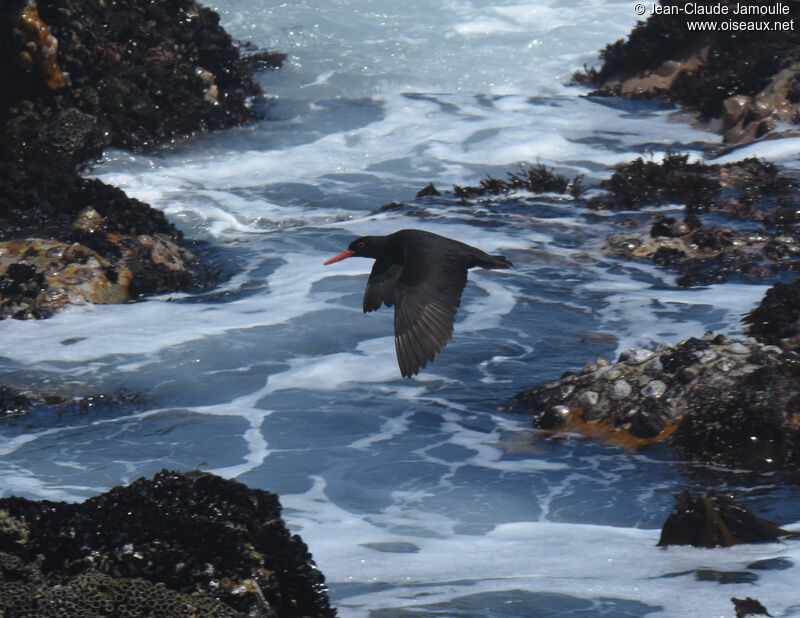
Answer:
(362, 244)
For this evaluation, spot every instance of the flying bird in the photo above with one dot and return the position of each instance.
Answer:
(422, 275)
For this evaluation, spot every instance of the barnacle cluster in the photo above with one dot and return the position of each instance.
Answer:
(716, 398)
(94, 594)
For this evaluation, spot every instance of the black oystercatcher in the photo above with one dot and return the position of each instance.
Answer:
(422, 274)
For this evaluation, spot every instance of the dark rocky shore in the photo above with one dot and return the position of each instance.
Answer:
(134, 73)
(743, 83)
(734, 402)
(82, 75)
(87, 75)
(715, 399)
(179, 545)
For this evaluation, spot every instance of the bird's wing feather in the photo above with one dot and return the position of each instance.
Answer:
(427, 296)
(381, 284)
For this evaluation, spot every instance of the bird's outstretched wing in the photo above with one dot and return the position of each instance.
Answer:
(426, 297)
(381, 284)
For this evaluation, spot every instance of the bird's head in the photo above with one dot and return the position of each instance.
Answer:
(366, 246)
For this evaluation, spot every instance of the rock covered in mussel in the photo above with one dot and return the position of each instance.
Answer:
(776, 319)
(721, 399)
(178, 545)
(82, 75)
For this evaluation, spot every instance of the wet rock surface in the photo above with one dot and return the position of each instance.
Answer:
(776, 320)
(748, 607)
(129, 73)
(86, 75)
(716, 520)
(66, 239)
(750, 190)
(717, 399)
(741, 193)
(179, 545)
(13, 402)
(42, 276)
(742, 83)
(702, 255)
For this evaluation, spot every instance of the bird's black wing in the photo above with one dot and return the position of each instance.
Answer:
(381, 284)
(427, 296)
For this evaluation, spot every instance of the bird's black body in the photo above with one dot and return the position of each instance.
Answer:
(421, 275)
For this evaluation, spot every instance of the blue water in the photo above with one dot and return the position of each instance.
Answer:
(429, 496)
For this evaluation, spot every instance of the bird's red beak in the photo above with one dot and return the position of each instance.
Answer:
(343, 255)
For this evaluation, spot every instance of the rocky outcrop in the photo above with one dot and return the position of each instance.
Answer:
(703, 255)
(86, 75)
(742, 83)
(179, 545)
(749, 190)
(66, 239)
(129, 73)
(716, 520)
(717, 399)
(776, 320)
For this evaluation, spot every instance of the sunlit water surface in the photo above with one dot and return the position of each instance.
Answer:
(428, 496)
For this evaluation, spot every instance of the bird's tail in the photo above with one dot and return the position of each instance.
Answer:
(494, 261)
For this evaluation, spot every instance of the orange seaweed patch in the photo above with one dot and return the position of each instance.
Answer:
(46, 44)
(618, 436)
